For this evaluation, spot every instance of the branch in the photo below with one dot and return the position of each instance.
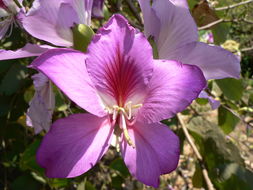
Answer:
(233, 6)
(223, 20)
(247, 49)
(199, 157)
(211, 24)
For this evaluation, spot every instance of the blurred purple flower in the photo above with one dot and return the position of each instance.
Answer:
(127, 94)
(50, 21)
(210, 38)
(39, 114)
(8, 12)
(97, 8)
(176, 37)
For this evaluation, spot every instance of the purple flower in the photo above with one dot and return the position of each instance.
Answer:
(52, 20)
(127, 94)
(8, 12)
(176, 37)
(39, 114)
(97, 8)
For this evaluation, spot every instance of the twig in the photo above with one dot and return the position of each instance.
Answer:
(233, 6)
(247, 49)
(223, 20)
(211, 24)
(199, 157)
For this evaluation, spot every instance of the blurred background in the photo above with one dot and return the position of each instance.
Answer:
(223, 137)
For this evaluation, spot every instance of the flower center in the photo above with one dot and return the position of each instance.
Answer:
(125, 116)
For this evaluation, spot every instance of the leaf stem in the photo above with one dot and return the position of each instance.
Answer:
(195, 150)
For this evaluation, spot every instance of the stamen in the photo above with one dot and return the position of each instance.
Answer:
(125, 131)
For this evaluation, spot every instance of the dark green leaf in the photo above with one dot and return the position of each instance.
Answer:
(26, 182)
(14, 79)
(119, 165)
(220, 33)
(28, 161)
(231, 88)
(227, 120)
(197, 179)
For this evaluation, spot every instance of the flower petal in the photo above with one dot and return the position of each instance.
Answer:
(41, 107)
(29, 50)
(74, 145)
(214, 61)
(172, 88)
(4, 26)
(53, 21)
(97, 9)
(182, 3)
(176, 27)
(213, 103)
(120, 62)
(83, 9)
(67, 69)
(156, 152)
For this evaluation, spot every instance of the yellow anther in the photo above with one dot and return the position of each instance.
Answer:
(125, 131)
(128, 139)
(137, 106)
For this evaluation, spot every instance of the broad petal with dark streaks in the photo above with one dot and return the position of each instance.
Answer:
(120, 62)
(74, 145)
(172, 88)
(157, 152)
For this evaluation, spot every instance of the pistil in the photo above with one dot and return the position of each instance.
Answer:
(126, 115)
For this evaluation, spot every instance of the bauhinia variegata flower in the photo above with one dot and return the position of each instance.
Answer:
(127, 93)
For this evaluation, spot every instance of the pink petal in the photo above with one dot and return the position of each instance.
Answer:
(41, 107)
(83, 9)
(180, 3)
(152, 23)
(74, 145)
(176, 28)
(172, 88)
(214, 61)
(4, 26)
(29, 50)
(120, 62)
(67, 69)
(53, 21)
(156, 152)
(97, 8)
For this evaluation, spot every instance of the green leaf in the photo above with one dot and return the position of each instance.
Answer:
(231, 88)
(202, 101)
(28, 161)
(117, 182)
(233, 176)
(85, 185)
(197, 179)
(14, 79)
(26, 182)
(220, 33)
(119, 165)
(58, 183)
(82, 35)
(227, 120)
(213, 143)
